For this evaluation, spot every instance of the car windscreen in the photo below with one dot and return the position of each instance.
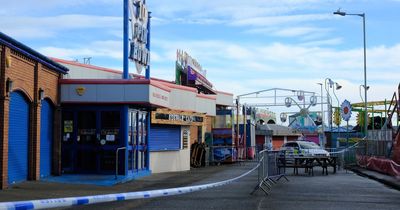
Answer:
(308, 145)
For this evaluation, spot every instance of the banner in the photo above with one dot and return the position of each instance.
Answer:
(191, 74)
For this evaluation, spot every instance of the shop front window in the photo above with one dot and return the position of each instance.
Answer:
(86, 127)
(110, 127)
(132, 128)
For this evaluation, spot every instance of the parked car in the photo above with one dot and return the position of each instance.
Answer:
(303, 148)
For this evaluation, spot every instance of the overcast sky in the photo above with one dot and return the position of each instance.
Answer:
(244, 45)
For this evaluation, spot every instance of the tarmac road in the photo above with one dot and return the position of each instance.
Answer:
(344, 190)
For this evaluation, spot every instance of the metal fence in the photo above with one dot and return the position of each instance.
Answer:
(268, 171)
(372, 148)
(375, 148)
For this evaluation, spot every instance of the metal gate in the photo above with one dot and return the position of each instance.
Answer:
(18, 138)
(46, 138)
(165, 137)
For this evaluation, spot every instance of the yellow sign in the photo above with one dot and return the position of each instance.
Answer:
(80, 90)
(336, 117)
(68, 126)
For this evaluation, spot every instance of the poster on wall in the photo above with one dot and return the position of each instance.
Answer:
(68, 126)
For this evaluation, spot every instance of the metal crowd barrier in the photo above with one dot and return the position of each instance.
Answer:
(268, 171)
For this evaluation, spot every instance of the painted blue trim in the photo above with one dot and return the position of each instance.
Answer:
(125, 135)
(30, 53)
(148, 138)
(126, 40)
(148, 45)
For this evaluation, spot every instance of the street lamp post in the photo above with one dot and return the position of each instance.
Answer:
(338, 12)
(329, 108)
(359, 89)
(322, 143)
(332, 85)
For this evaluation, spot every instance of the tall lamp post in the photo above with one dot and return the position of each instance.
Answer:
(338, 12)
(359, 88)
(330, 84)
(322, 140)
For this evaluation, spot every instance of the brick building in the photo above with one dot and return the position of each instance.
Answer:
(29, 113)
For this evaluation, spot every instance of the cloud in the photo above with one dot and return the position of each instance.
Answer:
(278, 20)
(227, 9)
(298, 31)
(289, 31)
(334, 41)
(43, 27)
(106, 49)
(18, 7)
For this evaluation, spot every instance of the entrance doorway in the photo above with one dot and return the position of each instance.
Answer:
(90, 140)
(94, 136)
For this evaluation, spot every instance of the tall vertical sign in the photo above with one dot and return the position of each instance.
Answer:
(140, 33)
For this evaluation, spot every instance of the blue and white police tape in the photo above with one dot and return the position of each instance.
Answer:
(345, 149)
(85, 200)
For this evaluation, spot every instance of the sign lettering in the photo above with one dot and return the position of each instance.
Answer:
(178, 117)
(139, 53)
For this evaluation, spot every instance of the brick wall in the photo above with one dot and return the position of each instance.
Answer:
(209, 123)
(28, 77)
(193, 134)
(4, 102)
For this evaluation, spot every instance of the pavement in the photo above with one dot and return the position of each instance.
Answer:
(382, 178)
(343, 190)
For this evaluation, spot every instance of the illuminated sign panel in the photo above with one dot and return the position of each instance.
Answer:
(139, 52)
(190, 72)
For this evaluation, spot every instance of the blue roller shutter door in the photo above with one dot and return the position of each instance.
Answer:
(165, 137)
(46, 138)
(18, 138)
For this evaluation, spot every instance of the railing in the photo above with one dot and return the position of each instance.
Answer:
(268, 171)
(116, 161)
